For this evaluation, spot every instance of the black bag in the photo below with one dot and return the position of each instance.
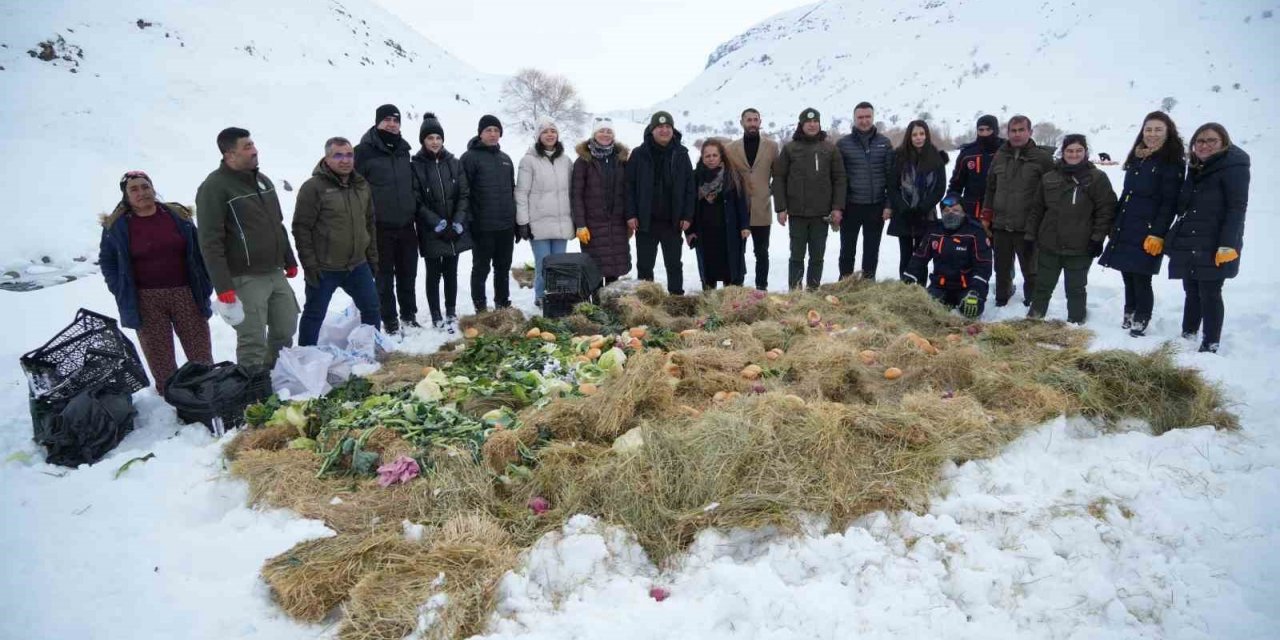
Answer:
(91, 352)
(217, 394)
(85, 428)
(571, 279)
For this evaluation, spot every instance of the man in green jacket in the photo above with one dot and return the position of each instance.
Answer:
(809, 185)
(1011, 185)
(246, 249)
(333, 226)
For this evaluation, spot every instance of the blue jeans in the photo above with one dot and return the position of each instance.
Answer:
(358, 283)
(542, 249)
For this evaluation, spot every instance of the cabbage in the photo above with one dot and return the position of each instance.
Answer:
(589, 372)
(428, 391)
(555, 387)
(612, 360)
(306, 444)
(437, 376)
(294, 415)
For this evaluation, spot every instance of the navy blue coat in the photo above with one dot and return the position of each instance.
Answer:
(117, 265)
(1147, 206)
(1212, 205)
(640, 191)
(961, 258)
(969, 179)
(737, 216)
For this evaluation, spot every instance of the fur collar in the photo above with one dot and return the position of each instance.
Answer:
(108, 219)
(585, 153)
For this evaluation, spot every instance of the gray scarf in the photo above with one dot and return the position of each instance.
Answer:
(713, 186)
(599, 151)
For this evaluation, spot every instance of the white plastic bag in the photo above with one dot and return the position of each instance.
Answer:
(367, 343)
(302, 373)
(337, 327)
(232, 314)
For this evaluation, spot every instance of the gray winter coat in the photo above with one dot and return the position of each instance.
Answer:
(868, 161)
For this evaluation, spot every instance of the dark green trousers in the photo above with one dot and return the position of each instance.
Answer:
(807, 234)
(1049, 267)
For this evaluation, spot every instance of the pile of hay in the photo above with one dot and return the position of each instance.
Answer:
(837, 402)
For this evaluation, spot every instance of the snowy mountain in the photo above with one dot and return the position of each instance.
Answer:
(94, 89)
(1092, 66)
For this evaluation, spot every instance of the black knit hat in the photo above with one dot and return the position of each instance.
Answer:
(810, 114)
(384, 111)
(487, 121)
(989, 121)
(660, 118)
(430, 125)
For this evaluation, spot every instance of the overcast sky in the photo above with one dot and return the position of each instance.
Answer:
(619, 55)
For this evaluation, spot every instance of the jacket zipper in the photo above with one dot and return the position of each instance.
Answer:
(443, 200)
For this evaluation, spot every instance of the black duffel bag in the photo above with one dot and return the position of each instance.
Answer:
(85, 428)
(216, 395)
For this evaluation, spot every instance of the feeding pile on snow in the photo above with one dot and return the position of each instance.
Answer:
(665, 415)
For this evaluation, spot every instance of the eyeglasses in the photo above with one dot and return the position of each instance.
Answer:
(343, 156)
(1208, 142)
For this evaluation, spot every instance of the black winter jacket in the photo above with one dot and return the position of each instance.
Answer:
(640, 192)
(868, 162)
(491, 183)
(969, 179)
(387, 171)
(442, 192)
(908, 220)
(1212, 205)
(961, 258)
(1147, 206)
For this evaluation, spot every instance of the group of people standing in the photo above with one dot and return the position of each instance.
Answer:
(369, 211)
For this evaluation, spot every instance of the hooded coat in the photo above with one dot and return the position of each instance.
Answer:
(1012, 182)
(387, 170)
(641, 195)
(491, 183)
(1147, 206)
(117, 265)
(333, 222)
(809, 179)
(443, 194)
(1212, 206)
(1071, 209)
(598, 199)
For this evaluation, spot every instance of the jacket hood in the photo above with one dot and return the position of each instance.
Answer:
(322, 170)
(537, 153)
(371, 138)
(108, 219)
(675, 139)
(584, 151)
(977, 145)
(475, 144)
(1233, 156)
(424, 154)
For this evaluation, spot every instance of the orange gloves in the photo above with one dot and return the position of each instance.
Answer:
(1153, 245)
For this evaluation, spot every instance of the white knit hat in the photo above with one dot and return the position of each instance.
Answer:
(601, 123)
(545, 123)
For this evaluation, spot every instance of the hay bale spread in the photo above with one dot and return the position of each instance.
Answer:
(839, 402)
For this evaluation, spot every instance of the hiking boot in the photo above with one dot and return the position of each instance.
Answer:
(1128, 321)
(451, 322)
(480, 305)
(410, 323)
(1189, 335)
(1033, 315)
(1138, 329)
(1001, 303)
(390, 327)
(438, 325)
(1208, 347)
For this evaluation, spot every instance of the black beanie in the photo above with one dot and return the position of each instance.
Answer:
(810, 114)
(384, 111)
(487, 121)
(661, 118)
(989, 121)
(430, 125)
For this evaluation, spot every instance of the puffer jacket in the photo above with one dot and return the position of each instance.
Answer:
(542, 194)
(442, 190)
(1147, 207)
(599, 203)
(333, 222)
(1012, 182)
(117, 265)
(961, 258)
(1212, 205)
(809, 179)
(491, 180)
(387, 170)
(969, 179)
(868, 162)
(1071, 209)
(909, 221)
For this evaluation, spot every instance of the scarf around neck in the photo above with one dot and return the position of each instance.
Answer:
(713, 185)
(600, 151)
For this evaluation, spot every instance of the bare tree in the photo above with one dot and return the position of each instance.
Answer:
(1047, 134)
(532, 94)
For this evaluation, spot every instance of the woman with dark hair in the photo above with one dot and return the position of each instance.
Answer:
(150, 257)
(1153, 176)
(721, 218)
(444, 219)
(1067, 222)
(1204, 244)
(918, 181)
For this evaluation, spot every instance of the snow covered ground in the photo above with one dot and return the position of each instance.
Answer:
(1067, 534)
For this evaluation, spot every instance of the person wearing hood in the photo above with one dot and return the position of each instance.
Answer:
(960, 251)
(756, 153)
(491, 182)
(969, 178)
(598, 200)
(916, 185)
(1205, 244)
(1153, 175)
(809, 184)
(382, 159)
(660, 199)
(246, 249)
(721, 218)
(444, 220)
(150, 259)
(544, 213)
(1067, 221)
(333, 227)
(868, 161)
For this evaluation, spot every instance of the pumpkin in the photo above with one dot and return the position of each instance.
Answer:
(588, 389)
(892, 373)
(593, 353)
(638, 332)
(471, 333)
(867, 356)
(752, 371)
(533, 333)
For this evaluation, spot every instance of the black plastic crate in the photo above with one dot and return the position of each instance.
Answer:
(89, 352)
(571, 273)
(216, 395)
